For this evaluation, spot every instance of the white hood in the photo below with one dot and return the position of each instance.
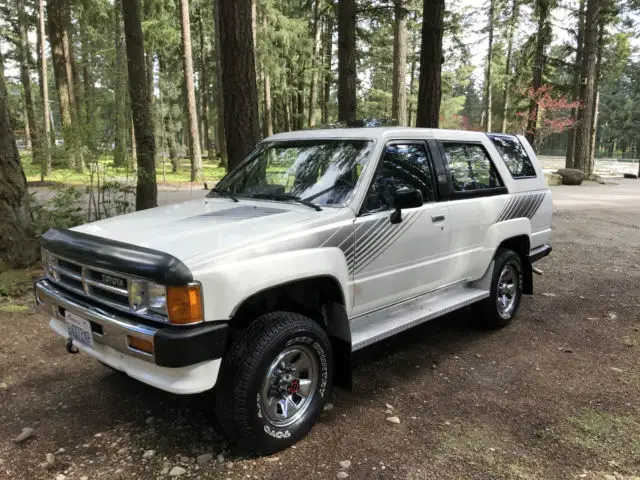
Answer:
(211, 226)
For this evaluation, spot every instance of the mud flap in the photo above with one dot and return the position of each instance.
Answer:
(527, 276)
(340, 336)
(342, 364)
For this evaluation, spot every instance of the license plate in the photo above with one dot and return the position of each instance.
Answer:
(79, 329)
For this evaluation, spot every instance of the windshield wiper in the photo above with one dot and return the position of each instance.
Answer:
(285, 196)
(225, 193)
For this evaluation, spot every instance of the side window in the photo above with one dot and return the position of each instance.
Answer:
(471, 167)
(514, 155)
(404, 165)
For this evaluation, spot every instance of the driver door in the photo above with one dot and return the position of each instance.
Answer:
(395, 262)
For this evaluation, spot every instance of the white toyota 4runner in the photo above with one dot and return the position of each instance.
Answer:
(320, 243)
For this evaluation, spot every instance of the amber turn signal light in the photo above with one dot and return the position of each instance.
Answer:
(184, 304)
(141, 344)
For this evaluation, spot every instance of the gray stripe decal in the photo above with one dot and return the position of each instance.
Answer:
(240, 213)
(379, 235)
(509, 209)
(380, 247)
(369, 257)
(522, 206)
(533, 205)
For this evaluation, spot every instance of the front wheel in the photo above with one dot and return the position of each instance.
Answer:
(498, 310)
(274, 381)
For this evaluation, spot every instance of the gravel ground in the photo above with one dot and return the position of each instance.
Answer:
(555, 395)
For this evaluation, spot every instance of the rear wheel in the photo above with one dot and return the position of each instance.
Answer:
(273, 382)
(498, 310)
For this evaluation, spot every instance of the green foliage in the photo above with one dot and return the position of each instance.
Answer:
(63, 210)
(284, 51)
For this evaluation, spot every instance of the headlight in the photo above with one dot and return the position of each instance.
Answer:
(157, 298)
(148, 295)
(44, 257)
(181, 305)
(49, 262)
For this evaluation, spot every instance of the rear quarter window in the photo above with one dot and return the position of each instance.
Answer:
(514, 156)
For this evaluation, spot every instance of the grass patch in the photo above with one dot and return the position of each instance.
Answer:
(13, 308)
(13, 280)
(487, 450)
(108, 171)
(607, 435)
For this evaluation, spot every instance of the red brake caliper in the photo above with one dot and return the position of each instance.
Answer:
(294, 386)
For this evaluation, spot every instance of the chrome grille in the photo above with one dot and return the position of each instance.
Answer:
(103, 286)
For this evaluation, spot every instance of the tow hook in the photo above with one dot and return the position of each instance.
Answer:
(70, 347)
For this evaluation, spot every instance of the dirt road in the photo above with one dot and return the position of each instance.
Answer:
(554, 396)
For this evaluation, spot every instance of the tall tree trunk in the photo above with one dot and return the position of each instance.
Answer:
(268, 113)
(571, 140)
(488, 78)
(294, 98)
(220, 135)
(399, 92)
(148, 68)
(300, 96)
(18, 247)
(328, 56)
(347, 60)
(242, 126)
(431, 59)
(204, 88)
(134, 148)
(587, 97)
(543, 11)
(515, 12)
(75, 96)
(80, 96)
(266, 79)
(121, 127)
(254, 26)
(412, 80)
(167, 120)
(87, 82)
(596, 99)
(146, 188)
(55, 15)
(192, 114)
(315, 62)
(58, 20)
(27, 131)
(285, 104)
(147, 15)
(44, 89)
(594, 131)
(25, 78)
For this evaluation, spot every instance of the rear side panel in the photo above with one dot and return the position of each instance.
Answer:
(484, 220)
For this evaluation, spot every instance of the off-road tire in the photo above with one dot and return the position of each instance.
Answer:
(487, 313)
(245, 367)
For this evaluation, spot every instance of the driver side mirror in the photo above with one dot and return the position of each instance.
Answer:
(403, 199)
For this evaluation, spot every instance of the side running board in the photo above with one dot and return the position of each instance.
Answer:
(375, 326)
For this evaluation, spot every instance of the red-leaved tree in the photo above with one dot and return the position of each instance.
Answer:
(554, 114)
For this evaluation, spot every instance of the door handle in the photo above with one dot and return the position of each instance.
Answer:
(438, 218)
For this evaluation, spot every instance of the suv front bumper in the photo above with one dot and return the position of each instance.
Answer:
(184, 359)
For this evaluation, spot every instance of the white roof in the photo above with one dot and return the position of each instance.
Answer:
(380, 133)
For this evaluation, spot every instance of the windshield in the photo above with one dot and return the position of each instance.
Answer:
(324, 172)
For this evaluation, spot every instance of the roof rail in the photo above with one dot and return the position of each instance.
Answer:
(361, 123)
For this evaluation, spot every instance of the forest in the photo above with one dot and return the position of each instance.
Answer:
(133, 93)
